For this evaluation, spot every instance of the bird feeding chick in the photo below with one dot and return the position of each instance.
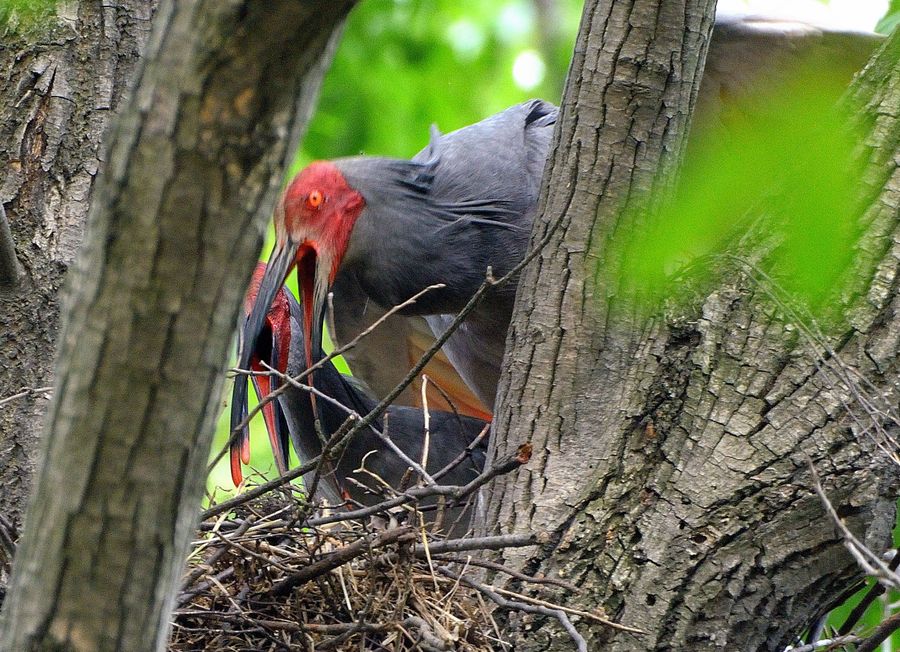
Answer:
(462, 205)
(456, 444)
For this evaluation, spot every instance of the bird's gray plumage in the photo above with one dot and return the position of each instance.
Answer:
(463, 204)
(399, 246)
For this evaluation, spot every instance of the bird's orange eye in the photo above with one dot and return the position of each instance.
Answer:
(315, 199)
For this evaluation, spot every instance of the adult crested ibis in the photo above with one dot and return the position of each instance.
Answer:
(463, 204)
(382, 229)
(280, 345)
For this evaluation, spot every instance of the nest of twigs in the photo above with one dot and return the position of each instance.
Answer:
(262, 578)
(271, 571)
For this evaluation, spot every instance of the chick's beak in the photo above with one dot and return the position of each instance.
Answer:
(280, 264)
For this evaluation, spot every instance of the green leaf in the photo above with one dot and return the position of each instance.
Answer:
(784, 164)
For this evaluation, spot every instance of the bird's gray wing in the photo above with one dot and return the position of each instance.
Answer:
(384, 357)
(492, 169)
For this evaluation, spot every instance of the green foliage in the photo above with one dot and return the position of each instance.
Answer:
(784, 165)
(890, 20)
(403, 65)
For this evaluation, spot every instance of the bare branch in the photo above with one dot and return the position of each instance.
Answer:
(512, 605)
(26, 391)
(870, 562)
(342, 556)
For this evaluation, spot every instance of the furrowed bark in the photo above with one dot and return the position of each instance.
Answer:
(671, 456)
(60, 87)
(176, 223)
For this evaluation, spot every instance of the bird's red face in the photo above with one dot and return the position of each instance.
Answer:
(313, 222)
(319, 209)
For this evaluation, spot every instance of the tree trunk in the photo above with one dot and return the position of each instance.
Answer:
(60, 89)
(671, 457)
(175, 226)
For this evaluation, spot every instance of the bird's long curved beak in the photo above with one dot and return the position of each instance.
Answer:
(280, 264)
(273, 413)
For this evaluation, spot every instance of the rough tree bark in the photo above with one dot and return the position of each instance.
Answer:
(671, 456)
(175, 226)
(60, 87)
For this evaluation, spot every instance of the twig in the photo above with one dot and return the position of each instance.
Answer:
(456, 461)
(513, 605)
(427, 417)
(420, 469)
(575, 612)
(27, 391)
(416, 493)
(342, 556)
(252, 553)
(259, 490)
(871, 595)
(887, 627)
(483, 543)
(826, 644)
(416, 466)
(500, 568)
(195, 574)
(870, 562)
(336, 352)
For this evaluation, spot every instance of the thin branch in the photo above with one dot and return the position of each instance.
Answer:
(456, 461)
(826, 644)
(870, 562)
(871, 595)
(341, 556)
(887, 627)
(575, 612)
(417, 493)
(336, 352)
(420, 469)
(195, 574)
(27, 391)
(500, 568)
(259, 490)
(513, 605)
(482, 543)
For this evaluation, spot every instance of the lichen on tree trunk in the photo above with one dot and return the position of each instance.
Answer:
(176, 223)
(671, 455)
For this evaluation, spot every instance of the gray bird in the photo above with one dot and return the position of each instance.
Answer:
(280, 345)
(394, 227)
(379, 230)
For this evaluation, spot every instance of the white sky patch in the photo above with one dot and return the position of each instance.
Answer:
(528, 70)
(852, 15)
